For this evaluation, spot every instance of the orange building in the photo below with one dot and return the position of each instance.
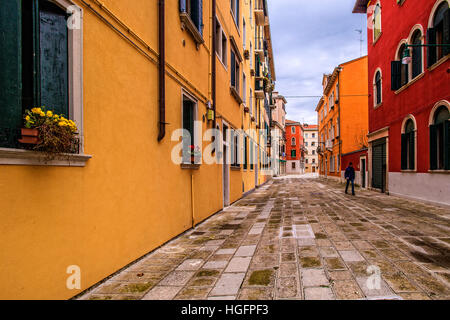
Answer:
(343, 119)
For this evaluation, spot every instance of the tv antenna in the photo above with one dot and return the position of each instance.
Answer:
(360, 40)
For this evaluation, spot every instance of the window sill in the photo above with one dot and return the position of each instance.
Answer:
(410, 83)
(236, 95)
(378, 105)
(190, 166)
(439, 171)
(439, 62)
(32, 158)
(186, 22)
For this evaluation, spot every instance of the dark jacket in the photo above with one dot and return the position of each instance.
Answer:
(350, 173)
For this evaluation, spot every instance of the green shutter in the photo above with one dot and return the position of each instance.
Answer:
(412, 155)
(447, 145)
(396, 75)
(53, 40)
(433, 147)
(10, 72)
(446, 36)
(431, 51)
(404, 158)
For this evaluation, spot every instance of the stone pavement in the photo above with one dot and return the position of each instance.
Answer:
(300, 238)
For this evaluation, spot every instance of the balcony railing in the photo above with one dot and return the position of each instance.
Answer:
(260, 15)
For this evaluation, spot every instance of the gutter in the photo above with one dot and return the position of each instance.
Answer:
(213, 67)
(162, 71)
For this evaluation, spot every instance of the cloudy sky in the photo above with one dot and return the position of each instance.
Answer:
(310, 38)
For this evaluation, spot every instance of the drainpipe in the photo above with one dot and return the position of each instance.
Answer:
(339, 122)
(162, 72)
(213, 57)
(192, 200)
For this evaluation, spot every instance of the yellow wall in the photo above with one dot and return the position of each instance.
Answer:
(121, 205)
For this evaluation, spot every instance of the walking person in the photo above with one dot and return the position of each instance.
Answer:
(350, 176)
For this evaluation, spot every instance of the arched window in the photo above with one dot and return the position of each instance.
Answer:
(440, 139)
(416, 54)
(439, 34)
(377, 22)
(409, 146)
(293, 142)
(404, 72)
(377, 88)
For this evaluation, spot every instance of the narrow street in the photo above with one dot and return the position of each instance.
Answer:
(299, 238)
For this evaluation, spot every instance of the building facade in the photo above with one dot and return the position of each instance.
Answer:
(311, 142)
(343, 119)
(409, 105)
(294, 147)
(133, 73)
(278, 128)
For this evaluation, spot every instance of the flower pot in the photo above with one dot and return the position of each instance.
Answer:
(29, 136)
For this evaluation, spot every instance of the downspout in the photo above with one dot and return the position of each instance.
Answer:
(192, 200)
(213, 66)
(162, 72)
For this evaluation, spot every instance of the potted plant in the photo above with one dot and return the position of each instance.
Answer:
(195, 153)
(49, 133)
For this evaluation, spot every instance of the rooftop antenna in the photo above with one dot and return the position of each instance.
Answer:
(360, 40)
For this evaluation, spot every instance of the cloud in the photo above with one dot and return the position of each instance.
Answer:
(310, 38)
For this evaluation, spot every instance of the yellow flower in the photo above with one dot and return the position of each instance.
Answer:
(49, 114)
(61, 124)
(27, 118)
(42, 114)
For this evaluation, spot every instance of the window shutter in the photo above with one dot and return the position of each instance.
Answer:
(396, 75)
(431, 51)
(447, 144)
(433, 147)
(404, 151)
(196, 14)
(412, 154)
(233, 69)
(54, 67)
(446, 37)
(11, 72)
(182, 5)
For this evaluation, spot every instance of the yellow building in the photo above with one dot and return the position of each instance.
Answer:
(133, 72)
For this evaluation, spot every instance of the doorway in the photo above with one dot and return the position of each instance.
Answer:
(363, 172)
(379, 164)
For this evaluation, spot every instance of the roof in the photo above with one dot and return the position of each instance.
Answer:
(360, 6)
(292, 123)
(311, 127)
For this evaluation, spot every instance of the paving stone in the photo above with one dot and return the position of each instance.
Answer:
(351, 256)
(162, 293)
(319, 294)
(245, 251)
(190, 264)
(225, 251)
(314, 278)
(347, 290)
(228, 284)
(370, 288)
(238, 265)
(288, 269)
(256, 294)
(177, 278)
(287, 288)
(215, 265)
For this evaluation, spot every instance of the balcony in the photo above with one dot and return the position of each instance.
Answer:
(259, 48)
(260, 16)
(259, 89)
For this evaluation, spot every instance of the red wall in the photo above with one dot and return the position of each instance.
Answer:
(299, 141)
(420, 97)
(354, 158)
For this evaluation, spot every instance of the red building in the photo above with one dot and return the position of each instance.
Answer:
(294, 147)
(409, 97)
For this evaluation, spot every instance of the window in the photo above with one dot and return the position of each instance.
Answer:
(313, 160)
(313, 135)
(244, 35)
(192, 17)
(293, 153)
(377, 22)
(306, 143)
(293, 129)
(440, 139)
(313, 144)
(307, 161)
(251, 101)
(306, 135)
(293, 142)
(235, 11)
(416, 54)
(293, 165)
(244, 88)
(235, 158)
(189, 106)
(35, 66)
(408, 146)
(221, 44)
(377, 88)
(252, 161)
(235, 67)
(439, 33)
